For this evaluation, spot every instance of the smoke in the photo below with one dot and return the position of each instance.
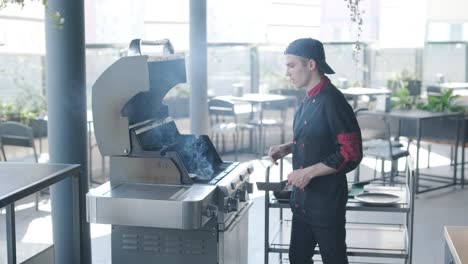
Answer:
(197, 157)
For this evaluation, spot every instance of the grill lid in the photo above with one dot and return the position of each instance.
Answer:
(130, 92)
(164, 74)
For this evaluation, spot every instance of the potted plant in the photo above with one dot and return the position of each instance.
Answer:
(35, 118)
(177, 100)
(438, 129)
(30, 108)
(405, 80)
(401, 99)
(11, 113)
(443, 103)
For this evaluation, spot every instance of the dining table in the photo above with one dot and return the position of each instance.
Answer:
(259, 100)
(454, 85)
(423, 120)
(19, 180)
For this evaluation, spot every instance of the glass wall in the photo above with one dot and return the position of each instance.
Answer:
(447, 31)
(228, 65)
(22, 75)
(22, 80)
(340, 57)
(272, 69)
(98, 59)
(447, 59)
(22, 63)
(375, 66)
(388, 64)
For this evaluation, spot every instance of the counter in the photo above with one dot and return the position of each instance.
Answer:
(456, 244)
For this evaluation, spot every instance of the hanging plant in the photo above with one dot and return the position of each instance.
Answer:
(57, 19)
(355, 15)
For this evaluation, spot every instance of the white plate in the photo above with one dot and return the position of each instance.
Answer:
(377, 198)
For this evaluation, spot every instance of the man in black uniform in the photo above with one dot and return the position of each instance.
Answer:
(327, 144)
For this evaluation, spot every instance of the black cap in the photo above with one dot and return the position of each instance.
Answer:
(310, 49)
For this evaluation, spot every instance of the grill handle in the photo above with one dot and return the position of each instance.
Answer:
(135, 46)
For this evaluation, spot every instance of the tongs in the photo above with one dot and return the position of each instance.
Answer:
(273, 186)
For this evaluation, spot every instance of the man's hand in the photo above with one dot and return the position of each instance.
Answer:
(279, 151)
(300, 178)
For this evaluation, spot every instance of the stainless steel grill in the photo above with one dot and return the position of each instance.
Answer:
(170, 198)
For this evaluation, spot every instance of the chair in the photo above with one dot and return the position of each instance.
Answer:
(19, 135)
(377, 143)
(433, 90)
(224, 121)
(16, 134)
(277, 107)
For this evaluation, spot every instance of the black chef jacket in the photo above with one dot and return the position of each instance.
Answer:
(325, 130)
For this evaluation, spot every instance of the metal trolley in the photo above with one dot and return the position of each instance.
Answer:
(368, 242)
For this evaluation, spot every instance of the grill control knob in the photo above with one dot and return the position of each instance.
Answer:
(249, 187)
(233, 186)
(249, 169)
(242, 195)
(233, 205)
(210, 211)
(241, 178)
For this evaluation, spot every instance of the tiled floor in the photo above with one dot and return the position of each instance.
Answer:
(432, 211)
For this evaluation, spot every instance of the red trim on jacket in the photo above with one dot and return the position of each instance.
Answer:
(350, 147)
(319, 87)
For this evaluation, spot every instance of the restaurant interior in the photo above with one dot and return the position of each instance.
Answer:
(139, 131)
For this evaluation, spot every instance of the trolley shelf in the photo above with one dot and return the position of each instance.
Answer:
(354, 205)
(367, 240)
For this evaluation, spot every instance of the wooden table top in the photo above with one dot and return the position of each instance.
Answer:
(457, 241)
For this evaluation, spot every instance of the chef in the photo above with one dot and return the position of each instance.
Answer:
(326, 145)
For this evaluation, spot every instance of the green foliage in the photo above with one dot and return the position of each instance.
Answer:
(403, 100)
(443, 103)
(401, 84)
(29, 104)
(401, 80)
(27, 117)
(16, 112)
(355, 84)
(57, 20)
(8, 111)
(5, 3)
(355, 15)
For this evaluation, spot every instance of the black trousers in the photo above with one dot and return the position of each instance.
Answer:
(304, 239)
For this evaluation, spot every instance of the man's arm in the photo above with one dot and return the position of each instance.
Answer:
(301, 177)
(345, 128)
(279, 151)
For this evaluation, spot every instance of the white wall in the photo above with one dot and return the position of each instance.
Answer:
(446, 59)
(336, 24)
(110, 21)
(447, 10)
(402, 23)
(22, 29)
